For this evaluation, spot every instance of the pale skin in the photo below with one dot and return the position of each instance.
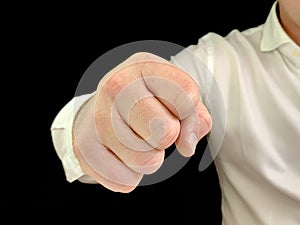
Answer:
(121, 167)
(180, 119)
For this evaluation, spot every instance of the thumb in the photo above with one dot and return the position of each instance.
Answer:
(192, 129)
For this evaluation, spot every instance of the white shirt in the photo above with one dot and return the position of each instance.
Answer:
(258, 74)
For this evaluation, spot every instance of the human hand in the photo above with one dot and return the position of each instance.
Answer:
(140, 108)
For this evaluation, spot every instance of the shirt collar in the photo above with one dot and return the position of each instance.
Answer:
(273, 34)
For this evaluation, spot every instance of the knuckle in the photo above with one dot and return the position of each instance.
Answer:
(172, 131)
(114, 85)
(191, 91)
(147, 158)
(206, 118)
(147, 162)
(171, 134)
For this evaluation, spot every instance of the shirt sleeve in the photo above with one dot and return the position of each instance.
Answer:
(61, 131)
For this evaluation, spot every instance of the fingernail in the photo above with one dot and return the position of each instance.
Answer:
(192, 141)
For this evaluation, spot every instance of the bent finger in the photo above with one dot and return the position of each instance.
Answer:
(193, 128)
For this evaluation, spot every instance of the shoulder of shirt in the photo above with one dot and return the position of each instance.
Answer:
(251, 36)
(234, 33)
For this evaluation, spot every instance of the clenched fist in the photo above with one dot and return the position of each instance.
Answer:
(139, 109)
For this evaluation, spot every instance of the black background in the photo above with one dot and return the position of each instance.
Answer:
(66, 39)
